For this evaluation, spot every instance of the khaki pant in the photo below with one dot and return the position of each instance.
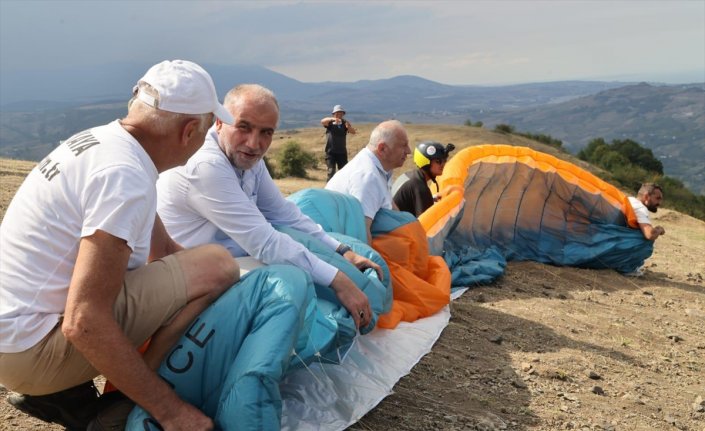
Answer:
(150, 297)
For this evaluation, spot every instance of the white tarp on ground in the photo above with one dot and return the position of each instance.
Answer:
(333, 397)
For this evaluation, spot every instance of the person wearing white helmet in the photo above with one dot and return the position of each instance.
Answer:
(337, 129)
(410, 190)
(87, 270)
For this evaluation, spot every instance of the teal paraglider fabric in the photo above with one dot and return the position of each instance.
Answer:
(335, 212)
(387, 220)
(335, 330)
(230, 361)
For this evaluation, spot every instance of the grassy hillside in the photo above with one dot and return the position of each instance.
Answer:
(313, 139)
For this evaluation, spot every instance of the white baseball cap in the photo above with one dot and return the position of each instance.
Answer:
(338, 108)
(183, 87)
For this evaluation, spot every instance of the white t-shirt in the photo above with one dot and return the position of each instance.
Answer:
(209, 201)
(641, 212)
(365, 179)
(98, 179)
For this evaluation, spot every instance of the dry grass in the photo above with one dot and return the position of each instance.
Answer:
(313, 140)
(12, 173)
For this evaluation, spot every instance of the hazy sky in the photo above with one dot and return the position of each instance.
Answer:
(453, 42)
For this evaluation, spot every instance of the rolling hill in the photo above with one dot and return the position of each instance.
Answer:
(668, 119)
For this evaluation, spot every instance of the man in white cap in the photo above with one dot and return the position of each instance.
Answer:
(337, 129)
(77, 294)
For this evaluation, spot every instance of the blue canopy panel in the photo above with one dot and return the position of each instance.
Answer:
(334, 211)
(230, 361)
(334, 331)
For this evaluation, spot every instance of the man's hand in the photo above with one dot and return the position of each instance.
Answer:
(651, 232)
(352, 299)
(362, 263)
(187, 418)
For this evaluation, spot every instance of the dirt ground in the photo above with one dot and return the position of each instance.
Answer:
(549, 348)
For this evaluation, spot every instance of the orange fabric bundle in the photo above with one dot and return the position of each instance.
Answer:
(421, 282)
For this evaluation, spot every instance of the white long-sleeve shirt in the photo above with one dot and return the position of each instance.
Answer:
(210, 201)
(365, 179)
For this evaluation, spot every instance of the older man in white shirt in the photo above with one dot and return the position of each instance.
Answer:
(368, 176)
(225, 195)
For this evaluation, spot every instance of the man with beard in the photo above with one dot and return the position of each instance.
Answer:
(648, 199)
(225, 195)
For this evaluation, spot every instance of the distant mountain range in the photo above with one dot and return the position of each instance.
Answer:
(39, 108)
(670, 120)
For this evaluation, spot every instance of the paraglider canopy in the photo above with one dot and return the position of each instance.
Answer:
(534, 206)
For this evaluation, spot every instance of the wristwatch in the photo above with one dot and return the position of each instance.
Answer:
(342, 249)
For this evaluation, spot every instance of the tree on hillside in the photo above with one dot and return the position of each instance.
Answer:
(587, 153)
(608, 156)
(638, 155)
(629, 165)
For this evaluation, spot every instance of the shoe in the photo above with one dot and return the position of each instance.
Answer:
(639, 272)
(72, 408)
(113, 409)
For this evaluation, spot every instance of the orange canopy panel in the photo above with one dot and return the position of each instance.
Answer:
(456, 172)
(421, 283)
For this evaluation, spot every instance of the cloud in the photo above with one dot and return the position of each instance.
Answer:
(448, 41)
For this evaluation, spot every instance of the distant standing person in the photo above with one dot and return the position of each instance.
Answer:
(337, 129)
(648, 199)
(410, 190)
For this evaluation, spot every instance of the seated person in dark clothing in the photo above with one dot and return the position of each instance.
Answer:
(411, 192)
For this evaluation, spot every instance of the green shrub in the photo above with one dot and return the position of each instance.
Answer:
(504, 128)
(293, 160)
(469, 123)
(544, 139)
(629, 165)
(270, 168)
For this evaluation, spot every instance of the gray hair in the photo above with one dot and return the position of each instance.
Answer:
(162, 121)
(386, 132)
(261, 94)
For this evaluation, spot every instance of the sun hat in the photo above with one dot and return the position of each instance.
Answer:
(184, 88)
(338, 108)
